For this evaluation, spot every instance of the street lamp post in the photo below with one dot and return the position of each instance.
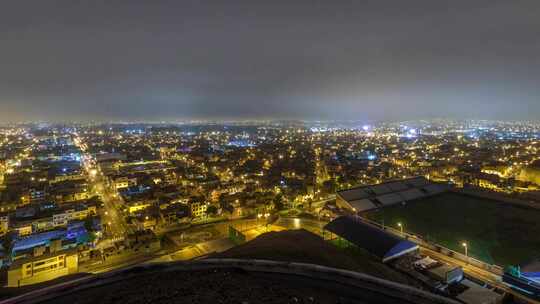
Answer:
(464, 244)
(266, 216)
(320, 223)
(400, 225)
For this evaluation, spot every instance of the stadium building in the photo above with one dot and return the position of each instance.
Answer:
(381, 244)
(365, 198)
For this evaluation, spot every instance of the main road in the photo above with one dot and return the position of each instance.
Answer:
(111, 215)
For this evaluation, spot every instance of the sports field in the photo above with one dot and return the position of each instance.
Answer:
(496, 232)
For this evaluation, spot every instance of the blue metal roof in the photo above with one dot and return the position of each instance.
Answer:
(37, 240)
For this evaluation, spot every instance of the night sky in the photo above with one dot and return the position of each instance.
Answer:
(228, 59)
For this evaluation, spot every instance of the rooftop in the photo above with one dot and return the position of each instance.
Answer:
(379, 243)
(364, 198)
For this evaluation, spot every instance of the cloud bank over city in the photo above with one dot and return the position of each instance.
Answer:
(377, 60)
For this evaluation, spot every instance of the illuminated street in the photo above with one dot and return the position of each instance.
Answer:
(115, 225)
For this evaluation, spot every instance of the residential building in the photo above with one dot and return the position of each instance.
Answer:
(43, 267)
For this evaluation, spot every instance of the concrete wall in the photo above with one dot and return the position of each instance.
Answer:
(39, 278)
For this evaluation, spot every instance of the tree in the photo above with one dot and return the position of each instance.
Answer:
(226, 206)
(329, 186)
(278, 202)
(89, 224)
(7, 241)
(211, 210)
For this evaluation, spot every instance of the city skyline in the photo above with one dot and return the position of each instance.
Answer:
(379, 60)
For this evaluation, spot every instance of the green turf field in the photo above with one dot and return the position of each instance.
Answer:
(496, 232)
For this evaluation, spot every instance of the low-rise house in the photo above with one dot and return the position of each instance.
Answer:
(198, 209)
(175, 213)
(123, 182)
(4, 224)
(78, 212)
(71, 191)
(46, 263)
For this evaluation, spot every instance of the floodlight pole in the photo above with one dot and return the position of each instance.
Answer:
(464, 244)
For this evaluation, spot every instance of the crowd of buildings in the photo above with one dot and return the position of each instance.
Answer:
(66, 189)
(48, 213)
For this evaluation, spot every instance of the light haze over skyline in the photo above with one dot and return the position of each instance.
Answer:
(343, 60)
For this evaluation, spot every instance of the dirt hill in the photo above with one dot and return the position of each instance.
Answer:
(305, 247)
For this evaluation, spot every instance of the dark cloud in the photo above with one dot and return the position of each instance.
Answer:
(269, 59)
